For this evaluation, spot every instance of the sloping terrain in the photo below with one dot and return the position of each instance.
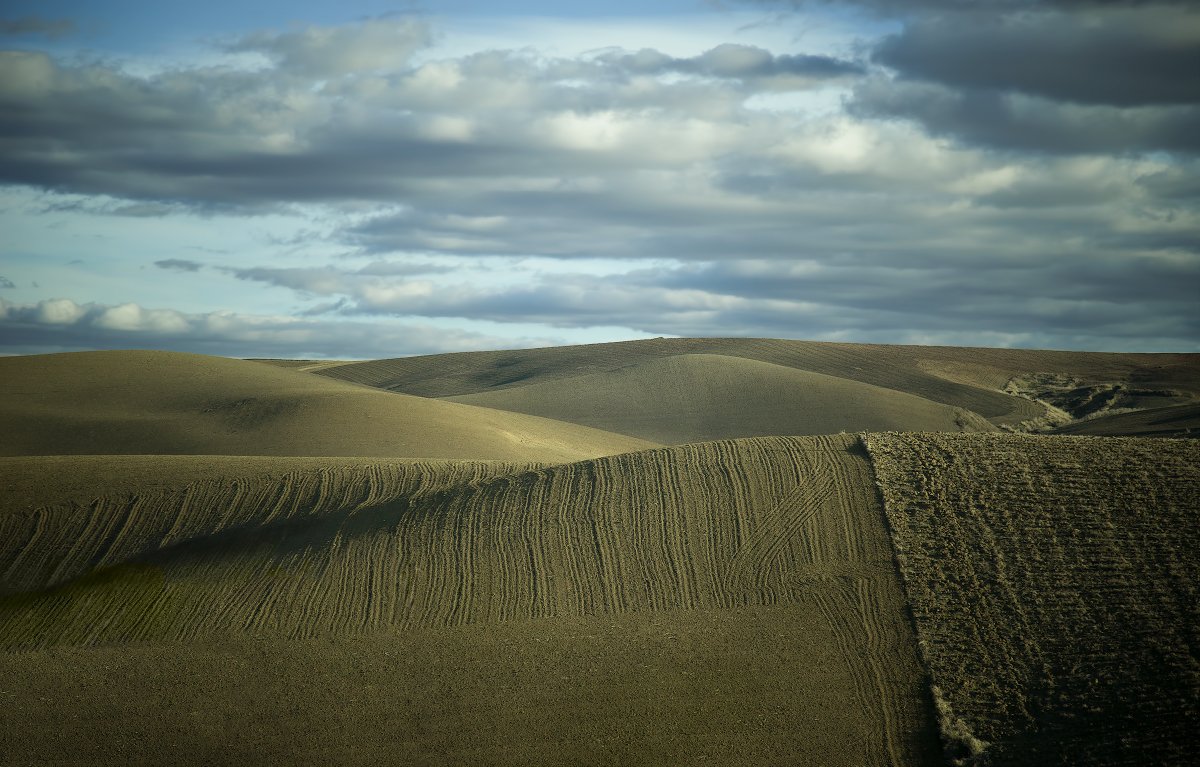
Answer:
(171, 403)
(749, 686)
(317, 570)
(697, 397)
(1179, 421)
(33, 482)
(473, 372)
(67, 517)
(973, 379)
(1055, 583)
(735, 601)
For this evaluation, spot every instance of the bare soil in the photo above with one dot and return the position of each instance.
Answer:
(1055, 583)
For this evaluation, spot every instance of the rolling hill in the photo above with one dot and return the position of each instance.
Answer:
(608, 586)
(1000, 384)
(172, 403)
(458, 559)
(1178, 421)
(697, 397)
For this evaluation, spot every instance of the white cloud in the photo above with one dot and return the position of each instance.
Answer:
(370, 46)
(63, 325)
(132, 317)
(57, 311)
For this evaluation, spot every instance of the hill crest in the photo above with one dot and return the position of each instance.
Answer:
(141, 402)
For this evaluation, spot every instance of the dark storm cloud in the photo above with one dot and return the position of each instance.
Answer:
(1077, 78)
(28, 26)
(1120, 58)
(1016, 121)
(1061, 77)
(1081, 279)
(179, 264)
(1179, 184)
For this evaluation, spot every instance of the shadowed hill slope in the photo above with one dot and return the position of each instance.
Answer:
(1055, 584)
(1179, 421)
(753, 575)
(698, 397)
(970, 378)
(696, 526)
(171, 403)
(65, 517)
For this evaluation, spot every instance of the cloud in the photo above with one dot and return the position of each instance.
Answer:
(1016, 121)
(384, 268)
(332, 280)
(1179, 183)
(1088, 295)
(327, 127)
(315, 281)
(179, 264)
(917, 8)
(1079, 78)
(6, 284)
(1121, 57)
(31, 26)
(58, 311)
(954, 193)
(131, 317)
(63, 325)
(746, 63)
(375, 45)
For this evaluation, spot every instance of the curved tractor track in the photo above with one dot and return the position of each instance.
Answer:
(787, 525)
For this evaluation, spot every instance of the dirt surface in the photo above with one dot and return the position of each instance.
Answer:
(1055, 583)
(775, 546)
(109, 510)
(697, 397)
(749, 686)
(972, 379)
(1179, 421)
(212, 561)
(170, 403)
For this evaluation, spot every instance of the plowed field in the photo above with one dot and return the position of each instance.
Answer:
(1055, 583)
(785, 529)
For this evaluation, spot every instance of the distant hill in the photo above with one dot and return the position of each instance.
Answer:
(215, 561)
(697, 397)
(137, 402)
(1178, 421)
(998, 384)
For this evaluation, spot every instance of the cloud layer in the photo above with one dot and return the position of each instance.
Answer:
(1107, 79)
(994, 173)
(63, 325)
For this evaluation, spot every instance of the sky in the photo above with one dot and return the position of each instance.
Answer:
(377, 179)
